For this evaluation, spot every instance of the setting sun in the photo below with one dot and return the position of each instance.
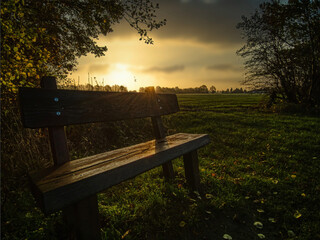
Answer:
(120, 75)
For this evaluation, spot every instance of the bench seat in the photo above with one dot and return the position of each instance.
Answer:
(60, 186)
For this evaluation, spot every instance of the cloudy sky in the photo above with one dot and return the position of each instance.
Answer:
(197, 46)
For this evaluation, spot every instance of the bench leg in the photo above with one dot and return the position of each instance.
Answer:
(82, 219)
(191, 168)
(168, 170)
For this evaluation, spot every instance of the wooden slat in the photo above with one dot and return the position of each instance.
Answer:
(47, 108)
(75, 180)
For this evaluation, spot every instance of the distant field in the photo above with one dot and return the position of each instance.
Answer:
(259, 177)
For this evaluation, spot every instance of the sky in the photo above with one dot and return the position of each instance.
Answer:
(196, 47)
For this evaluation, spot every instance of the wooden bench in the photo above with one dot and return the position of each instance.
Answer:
(72, 186)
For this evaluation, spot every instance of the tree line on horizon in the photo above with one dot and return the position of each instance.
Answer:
(158, 89)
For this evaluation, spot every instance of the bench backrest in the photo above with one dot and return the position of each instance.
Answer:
(55, 107)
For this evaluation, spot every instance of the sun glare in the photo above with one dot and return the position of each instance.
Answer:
(120, 75)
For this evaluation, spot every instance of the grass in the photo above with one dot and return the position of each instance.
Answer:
(260, 167)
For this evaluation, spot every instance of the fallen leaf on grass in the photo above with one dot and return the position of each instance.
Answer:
(272, 220)
(125, 234)
(258, 225)
(303, 194)
(260, 210)
(261, 236)
(291, 233)
(227, 236)
(182, 224)
(209, 196)
(297, 214)
(293, 176)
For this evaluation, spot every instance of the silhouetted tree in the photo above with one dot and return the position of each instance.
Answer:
(213, 89)
(282, 50)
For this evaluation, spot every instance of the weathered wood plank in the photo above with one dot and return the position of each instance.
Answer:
(78, 179)
(47, 107)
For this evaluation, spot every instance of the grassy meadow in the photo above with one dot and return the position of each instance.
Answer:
(259, 178)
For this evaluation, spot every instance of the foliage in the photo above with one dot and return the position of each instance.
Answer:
(24, 53)
(47, 37)
(259, 177)
(282, 50)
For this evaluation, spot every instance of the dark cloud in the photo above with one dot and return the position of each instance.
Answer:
(169, 69)
(223, 67)
(208, 21)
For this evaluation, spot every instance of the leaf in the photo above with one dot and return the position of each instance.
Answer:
(291, 233)
(260, 210)
(272, 220)
(182, 224)
(297, 214)
(258, 225)
(227, 236)
(303, 195)
(125, 234)
(209, 196)
(261, 236)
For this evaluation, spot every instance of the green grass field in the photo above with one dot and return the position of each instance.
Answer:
(259, 177)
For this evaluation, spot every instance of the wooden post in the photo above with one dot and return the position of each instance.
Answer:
(191, 168)
(82, 218)
(159, 132)
(57, 136)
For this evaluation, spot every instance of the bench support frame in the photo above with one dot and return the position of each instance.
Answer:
(82, 217)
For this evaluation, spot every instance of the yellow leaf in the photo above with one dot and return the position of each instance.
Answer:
(297, 214)
(227, 236)
(182, 224)
(209, 196)
(29, 65)
(125, 234)
(258, 225)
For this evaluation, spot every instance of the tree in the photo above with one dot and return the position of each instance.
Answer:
(47, 37)
(282, 50)
(213, 89)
